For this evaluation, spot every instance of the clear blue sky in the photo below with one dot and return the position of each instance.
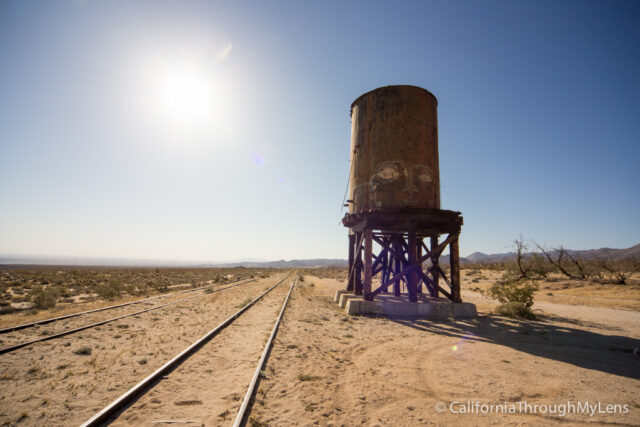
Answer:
(186, 130)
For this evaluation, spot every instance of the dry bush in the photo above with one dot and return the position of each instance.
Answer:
(516, 310)
(83, 351)
(5, 308)
(572, 267)
(108, 290)
(619, 271)
(338, 273)
(527, 265)
(513, 290)
(44, 298)
(134, 281)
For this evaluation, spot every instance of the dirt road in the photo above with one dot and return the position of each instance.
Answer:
(330, 369)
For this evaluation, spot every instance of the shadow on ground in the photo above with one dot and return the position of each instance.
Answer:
(612, 354)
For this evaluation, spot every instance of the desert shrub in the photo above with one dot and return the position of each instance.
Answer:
(527, 265)
(44, 298)
(83, 351)
(305, 377)
(513, 290)
(160, 286)
(64, 292)
(131, 289)
(538, 265)
(516, 310)
(6, 309)
(109, 290)
(255, 422)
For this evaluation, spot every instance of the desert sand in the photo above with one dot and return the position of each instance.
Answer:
(330, 369)
(327, 368)
(49, 384)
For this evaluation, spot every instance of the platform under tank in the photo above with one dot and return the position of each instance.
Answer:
(394, 150)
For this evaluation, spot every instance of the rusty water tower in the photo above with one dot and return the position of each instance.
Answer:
(394, 198)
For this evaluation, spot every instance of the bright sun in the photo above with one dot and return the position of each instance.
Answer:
(184, 97)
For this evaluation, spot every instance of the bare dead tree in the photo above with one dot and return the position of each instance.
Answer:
(557, 263)
(521, 249)
(620, 270)
(582, 273)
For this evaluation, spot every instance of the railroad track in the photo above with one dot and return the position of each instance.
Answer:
(111, 307)
(204, 291)
(120, 405)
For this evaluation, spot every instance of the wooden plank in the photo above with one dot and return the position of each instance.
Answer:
(455, 270)
(368, 247)
(443, 245)
(427, 282)
(352, 249)
(419, 245)
(425, 222)
(434, 271)
(358, 262)
(412, 282)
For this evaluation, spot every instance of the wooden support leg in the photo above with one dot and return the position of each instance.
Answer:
(385, 271)
(419, 264)
(436, 273)
(388, 271)
(368, 273)
(350, 277)
(358, 265)
(412, 277)
(455, 270)
(398, 267)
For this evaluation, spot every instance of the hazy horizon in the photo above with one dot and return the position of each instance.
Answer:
(220, 131)
(79, 260)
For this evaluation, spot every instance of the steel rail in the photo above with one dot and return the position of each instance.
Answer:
(113, 319)
(140, 388)
(250, 391)
(67, 316)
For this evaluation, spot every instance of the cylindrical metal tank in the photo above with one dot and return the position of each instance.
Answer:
(394, 150)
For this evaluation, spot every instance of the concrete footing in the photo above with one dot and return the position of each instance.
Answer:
(389, 305)
(336, 298)
(344, 299)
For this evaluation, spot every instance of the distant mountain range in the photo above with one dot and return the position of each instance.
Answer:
(123, 262)
(294, 263)
(590, 254)
(479, 257)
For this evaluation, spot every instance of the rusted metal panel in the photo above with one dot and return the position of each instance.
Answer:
(394, 150)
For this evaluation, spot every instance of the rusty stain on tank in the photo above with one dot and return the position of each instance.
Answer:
(394, 150)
